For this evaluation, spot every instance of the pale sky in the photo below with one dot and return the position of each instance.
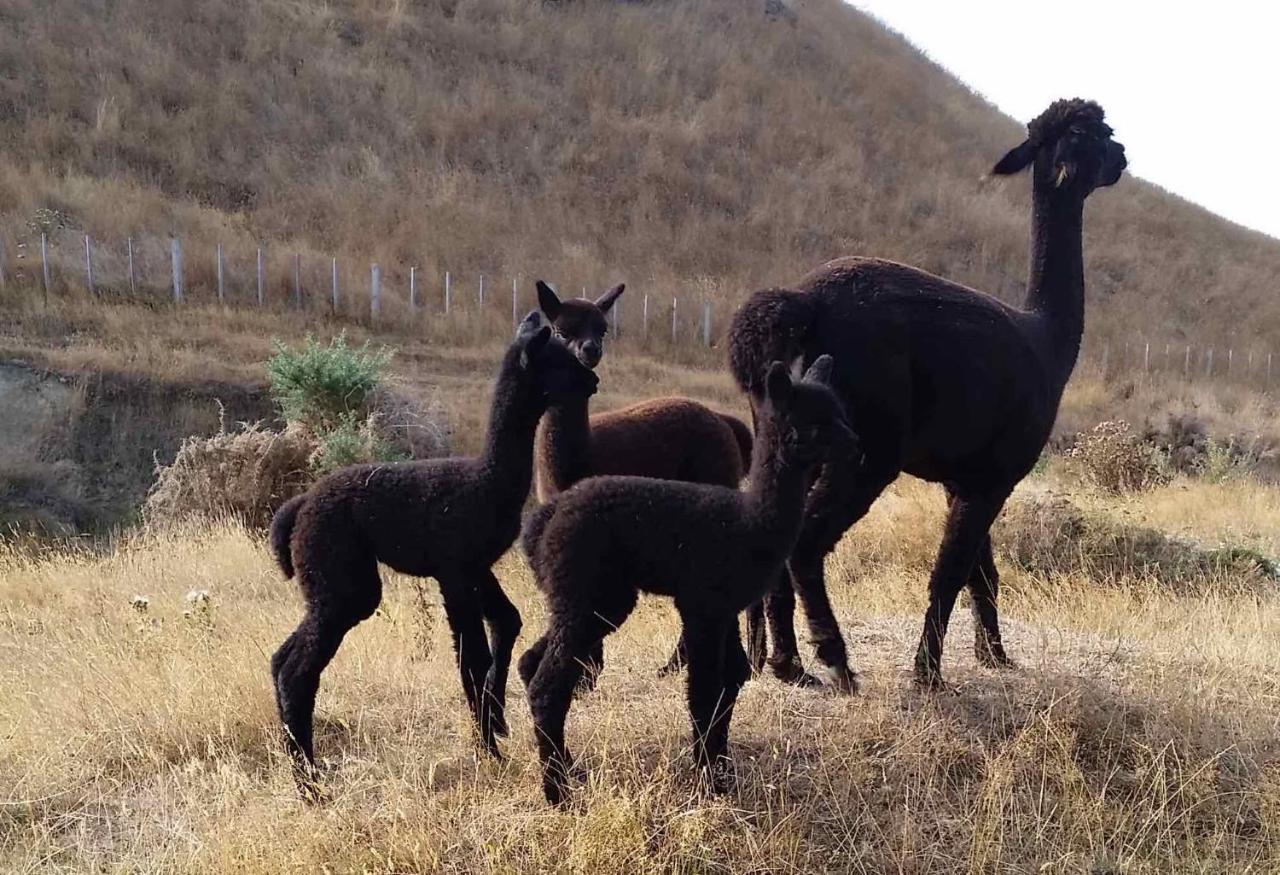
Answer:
(1190, 88)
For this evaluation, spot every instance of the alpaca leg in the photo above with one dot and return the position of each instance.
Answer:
(677, 661)
(968, 522)
(780, 608)
(709, 698)
(737, 670)
(558, 659)
(841, 496)
(757, 646)
(504, 629)
(530, 660)
(984, 592)
(466, 621)
(296, 668)
(591, 667)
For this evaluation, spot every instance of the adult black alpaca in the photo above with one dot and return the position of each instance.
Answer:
(714, 550)
(445, 518)
(943, 382)
(667, 438)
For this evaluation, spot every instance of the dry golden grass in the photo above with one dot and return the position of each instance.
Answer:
(1139, 734)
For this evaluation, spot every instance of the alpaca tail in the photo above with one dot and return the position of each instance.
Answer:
(742, 434)
(772, 326)
(531, 535)
(282, 531)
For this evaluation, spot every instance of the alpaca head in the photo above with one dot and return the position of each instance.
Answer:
(548, 367)
(807, 415)
(581, 325)
(1071, 149)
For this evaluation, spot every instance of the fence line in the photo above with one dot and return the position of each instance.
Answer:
(191, 279)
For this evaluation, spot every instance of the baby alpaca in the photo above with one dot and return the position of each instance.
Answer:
(445, 518)
(713, 549)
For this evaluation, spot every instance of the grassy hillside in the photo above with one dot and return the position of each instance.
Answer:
(692, 147)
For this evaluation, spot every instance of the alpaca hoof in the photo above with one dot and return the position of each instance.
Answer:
(992, 656)
(558, 780)
(498, 723)
(789, 670)
(310, 787)
(840, 678)
(719, 778)
(931, 683)
(673, 666)
(586, 684)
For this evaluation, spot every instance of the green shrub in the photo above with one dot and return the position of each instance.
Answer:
(353, 441)
(322, 388)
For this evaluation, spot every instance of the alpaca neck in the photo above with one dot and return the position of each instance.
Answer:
(567, 442)
(507, 458)
(778, 486)
(1055, 288)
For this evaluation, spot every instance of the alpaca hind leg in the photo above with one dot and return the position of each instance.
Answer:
(677, 661)
(466, 622)
(560, 656)
(592, 666)
(784, 661)
(757, 643)
(984, 593)
(504, 628)
(297, 667)
(709, 699)
(968, 522)
(841, 496)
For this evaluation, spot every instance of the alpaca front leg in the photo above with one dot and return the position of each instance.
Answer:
(462, 608)
(504, 629)
(968, 522)
(710, 704)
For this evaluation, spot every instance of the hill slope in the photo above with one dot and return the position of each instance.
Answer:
(664, 143)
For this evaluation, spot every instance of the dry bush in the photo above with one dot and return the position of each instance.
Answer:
(245, 474)
(416, 430)
(1110, 457)
(1047, 533)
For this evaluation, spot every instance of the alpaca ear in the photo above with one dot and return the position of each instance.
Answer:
(534, 346)
(529, 326)
(1016, 159)
(606, 301)
(820, 370)
(548, 300)
(777, 385)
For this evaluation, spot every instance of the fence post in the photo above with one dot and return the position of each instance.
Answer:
(413, 289)
(222, 288)
(88, 264)
(1268, 369)
(1208, 370)
(175, 248)
(1146, 357)
(1106, 352)
(482, 291)
(375, 291)
(706, 323)
(261, 290)
(515, 302)
(333, 281)
(644, 318)
(1231, 354)
(615, 309)
(297, 280)
(2, 281)
(44, 263)
(446, 293)
(675, 303)
(1186, 363)
(133, 283)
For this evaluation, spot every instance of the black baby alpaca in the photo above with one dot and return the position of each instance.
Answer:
(713, 549)
(445, 518)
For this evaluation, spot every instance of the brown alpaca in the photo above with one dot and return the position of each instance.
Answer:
(943, 382)
(666, 438)
(444, 518)
(714, 550)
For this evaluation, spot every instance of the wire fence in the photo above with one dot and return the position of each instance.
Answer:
(166, 270)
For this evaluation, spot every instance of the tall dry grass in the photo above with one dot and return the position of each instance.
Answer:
(1139, 734)
(691, 148)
